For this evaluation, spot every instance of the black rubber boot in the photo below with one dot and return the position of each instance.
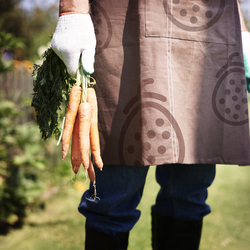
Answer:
(99, 241)
(173, 234)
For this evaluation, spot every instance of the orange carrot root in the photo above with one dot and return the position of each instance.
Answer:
(84, 112)
(91, 172)
(94, 133)
(74, 101)
(75, 147)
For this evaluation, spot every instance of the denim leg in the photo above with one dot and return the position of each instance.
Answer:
(183, 190)
(120, 190)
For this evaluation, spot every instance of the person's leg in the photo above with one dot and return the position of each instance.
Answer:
(114, 215)
(180, 205)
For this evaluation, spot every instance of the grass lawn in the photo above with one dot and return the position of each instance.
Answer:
(61, 227)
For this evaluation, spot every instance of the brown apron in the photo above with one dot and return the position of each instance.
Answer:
(171, 85)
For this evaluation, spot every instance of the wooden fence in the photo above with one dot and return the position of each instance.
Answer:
(18, 83)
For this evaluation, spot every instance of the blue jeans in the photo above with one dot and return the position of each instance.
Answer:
(182, 195)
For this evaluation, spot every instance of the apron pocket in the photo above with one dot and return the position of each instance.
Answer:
(211, 21)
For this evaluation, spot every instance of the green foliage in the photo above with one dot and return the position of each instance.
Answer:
(52, 85)
(8, 43)
(22, 157)
(244, 12)
(41, 24)
(34, 27)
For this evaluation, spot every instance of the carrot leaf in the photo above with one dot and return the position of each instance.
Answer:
(51, 89)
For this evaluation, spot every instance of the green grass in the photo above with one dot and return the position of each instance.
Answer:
(61, 227)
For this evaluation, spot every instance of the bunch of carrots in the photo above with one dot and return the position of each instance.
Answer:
(81, 123)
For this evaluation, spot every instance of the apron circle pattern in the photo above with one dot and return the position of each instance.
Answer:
(229, 90)
(101, 22)
(196, 16)
(157, 131)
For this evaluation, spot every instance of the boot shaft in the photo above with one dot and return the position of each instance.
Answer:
(99, 241)
(173, 234)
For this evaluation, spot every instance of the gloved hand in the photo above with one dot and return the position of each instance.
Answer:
(246, 53)
(74, 35)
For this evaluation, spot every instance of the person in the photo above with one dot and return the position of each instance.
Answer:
(171, 91)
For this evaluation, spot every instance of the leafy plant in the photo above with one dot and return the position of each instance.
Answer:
(22, 159)
(8, 43)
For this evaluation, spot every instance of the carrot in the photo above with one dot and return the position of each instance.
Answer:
(94, 133)
(84, 112)
(74, 100)
(91, 172)
(75, 149)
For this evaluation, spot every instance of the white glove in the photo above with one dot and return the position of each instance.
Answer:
(74, 35)
(246, 51)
